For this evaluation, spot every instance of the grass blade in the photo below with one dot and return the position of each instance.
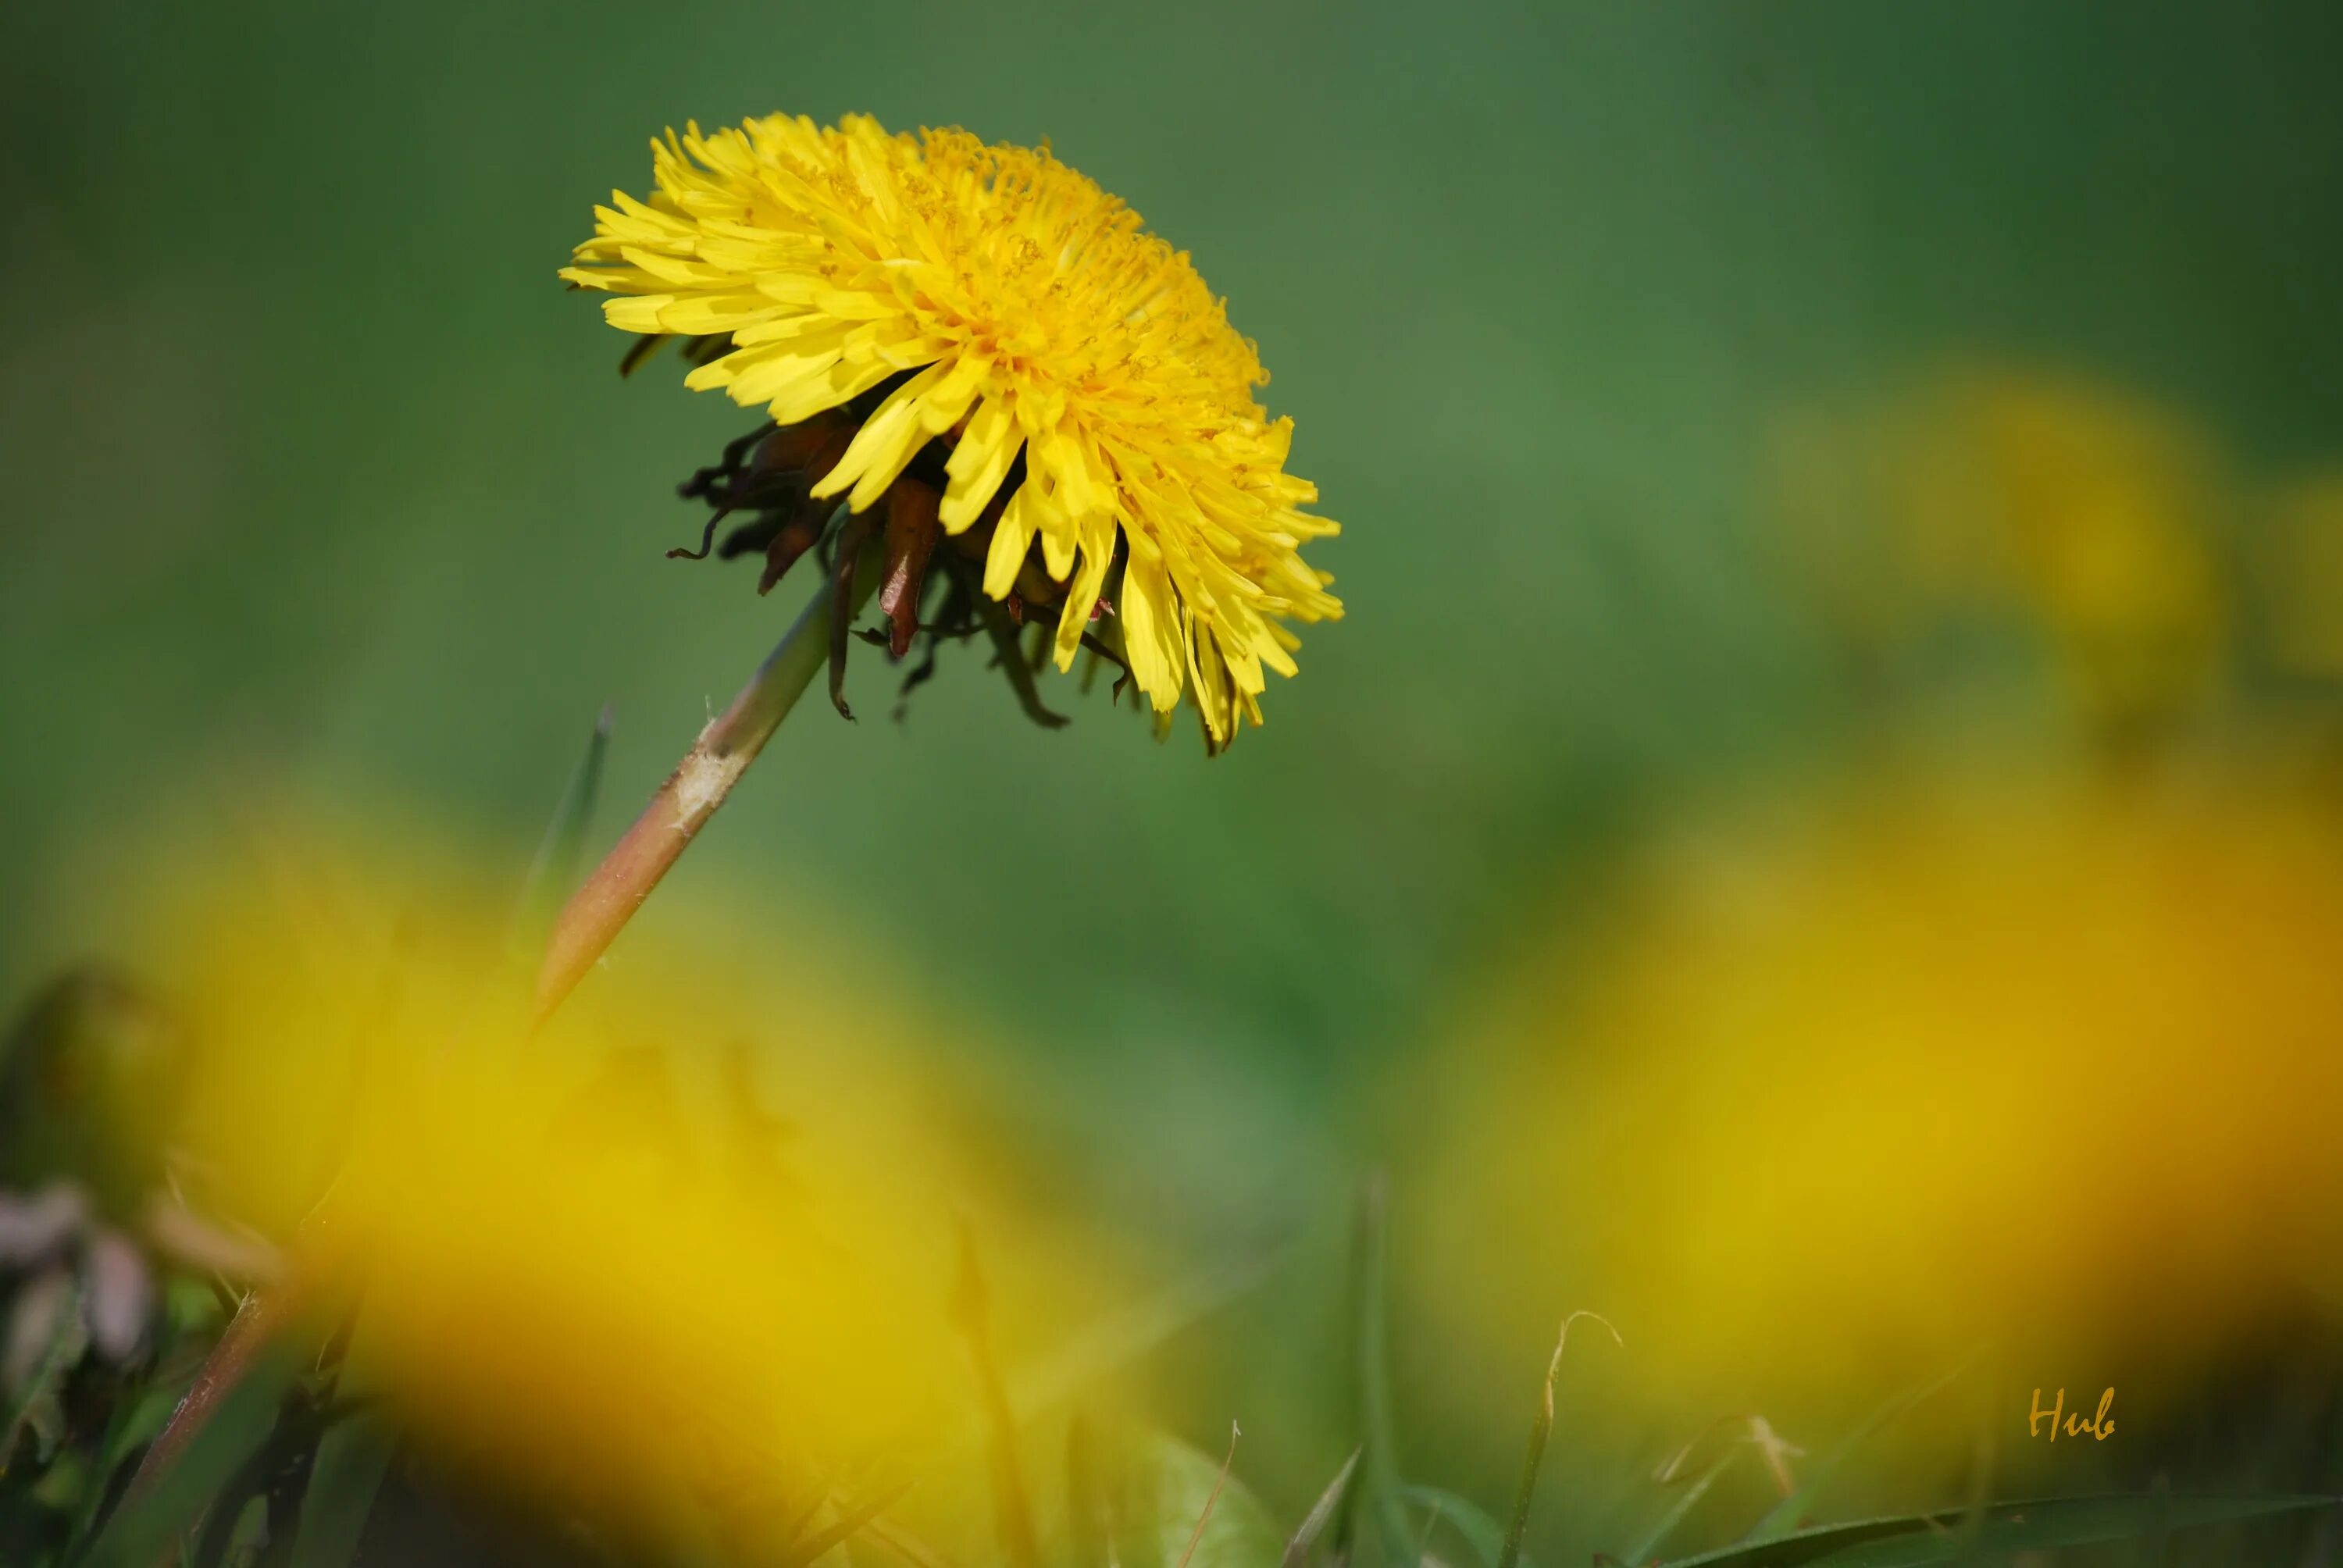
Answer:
(972, 1312)
(553, 874)
(1916, 1541)
(1128, 1335)
(1650, 1545)
(1321, 1514)
(352, 1459)
(151, 1519)
(1086, 1509)
(1509, 1554)
(1784, 1517)
(37, 1410)
(1380, 1461)
(1471, 1523)
(1211, 1498)
(848, 1524)
(1199, 1514)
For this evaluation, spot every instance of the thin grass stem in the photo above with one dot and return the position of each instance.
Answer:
(1509, 1556)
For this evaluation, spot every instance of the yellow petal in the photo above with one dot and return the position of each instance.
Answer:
(760, 375)
(1059, 535)
(854, 306)
(702, 314)
(943, 407)
(980, 463)
(679, 272)
(1072, 471)
(885, 444)
(1238, 636)
(636, 313)
(841, 383)
(1081, 595)
(1012, 537)
(1152, 637)
(1210, 684)
(778, 327)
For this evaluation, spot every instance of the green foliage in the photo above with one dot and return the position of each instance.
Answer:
(160, 1511)
(1386, 1525)
(1681, 1508)
(345, 1478)
(560, 853)
(1916, 1540)
(1204, 1516)
(1469, 1523)
(37, 1418)
(1322, 1513)
(1787, 1514)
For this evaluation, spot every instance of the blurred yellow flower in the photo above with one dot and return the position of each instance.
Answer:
(590, 1260)
(2094, 512)
(2301, 577)
(1842, 1092)
(1088, 385)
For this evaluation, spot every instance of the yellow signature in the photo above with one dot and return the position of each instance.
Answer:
(2101, 1426)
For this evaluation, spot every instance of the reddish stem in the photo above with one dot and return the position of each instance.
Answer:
(265, 1313)
(608, 898)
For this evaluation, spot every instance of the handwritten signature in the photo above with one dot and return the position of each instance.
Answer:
(2100, 1426)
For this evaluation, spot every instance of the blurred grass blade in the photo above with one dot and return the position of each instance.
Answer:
(1650, 1545)
(1979, 1498)
(1380, 1466)
(905, 1545)
(971, 1313)
(1199, 1514)
(1126, 1336)
(149, 1521)
(1784, 1517)
(1322, 1514)
(2156, 1541)
(848, 1524)
(1211, 1498)
(39, 1409)
(1086, 1511)
(1134, 1498)
(1915, 1541)
(553, 874)
(1471, 1523)
(352, 1459)
(134, 1422)
(1509, 1552)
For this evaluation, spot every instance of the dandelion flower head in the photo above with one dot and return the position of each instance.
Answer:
(1084, 408)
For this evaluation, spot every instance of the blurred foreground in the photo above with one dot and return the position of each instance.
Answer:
(1873, 1108)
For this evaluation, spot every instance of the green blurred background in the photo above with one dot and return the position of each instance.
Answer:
(312, 470)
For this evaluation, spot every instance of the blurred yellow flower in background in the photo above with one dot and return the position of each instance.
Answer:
(2301, 577)
(2091, 512)
(1846, 1086)
(1092, 395)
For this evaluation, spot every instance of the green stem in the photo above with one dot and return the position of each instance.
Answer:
(608, 898)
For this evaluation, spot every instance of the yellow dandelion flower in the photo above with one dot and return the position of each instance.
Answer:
(1864, 1076)
(996, 346)
(2090, 513)
(661, 1262)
